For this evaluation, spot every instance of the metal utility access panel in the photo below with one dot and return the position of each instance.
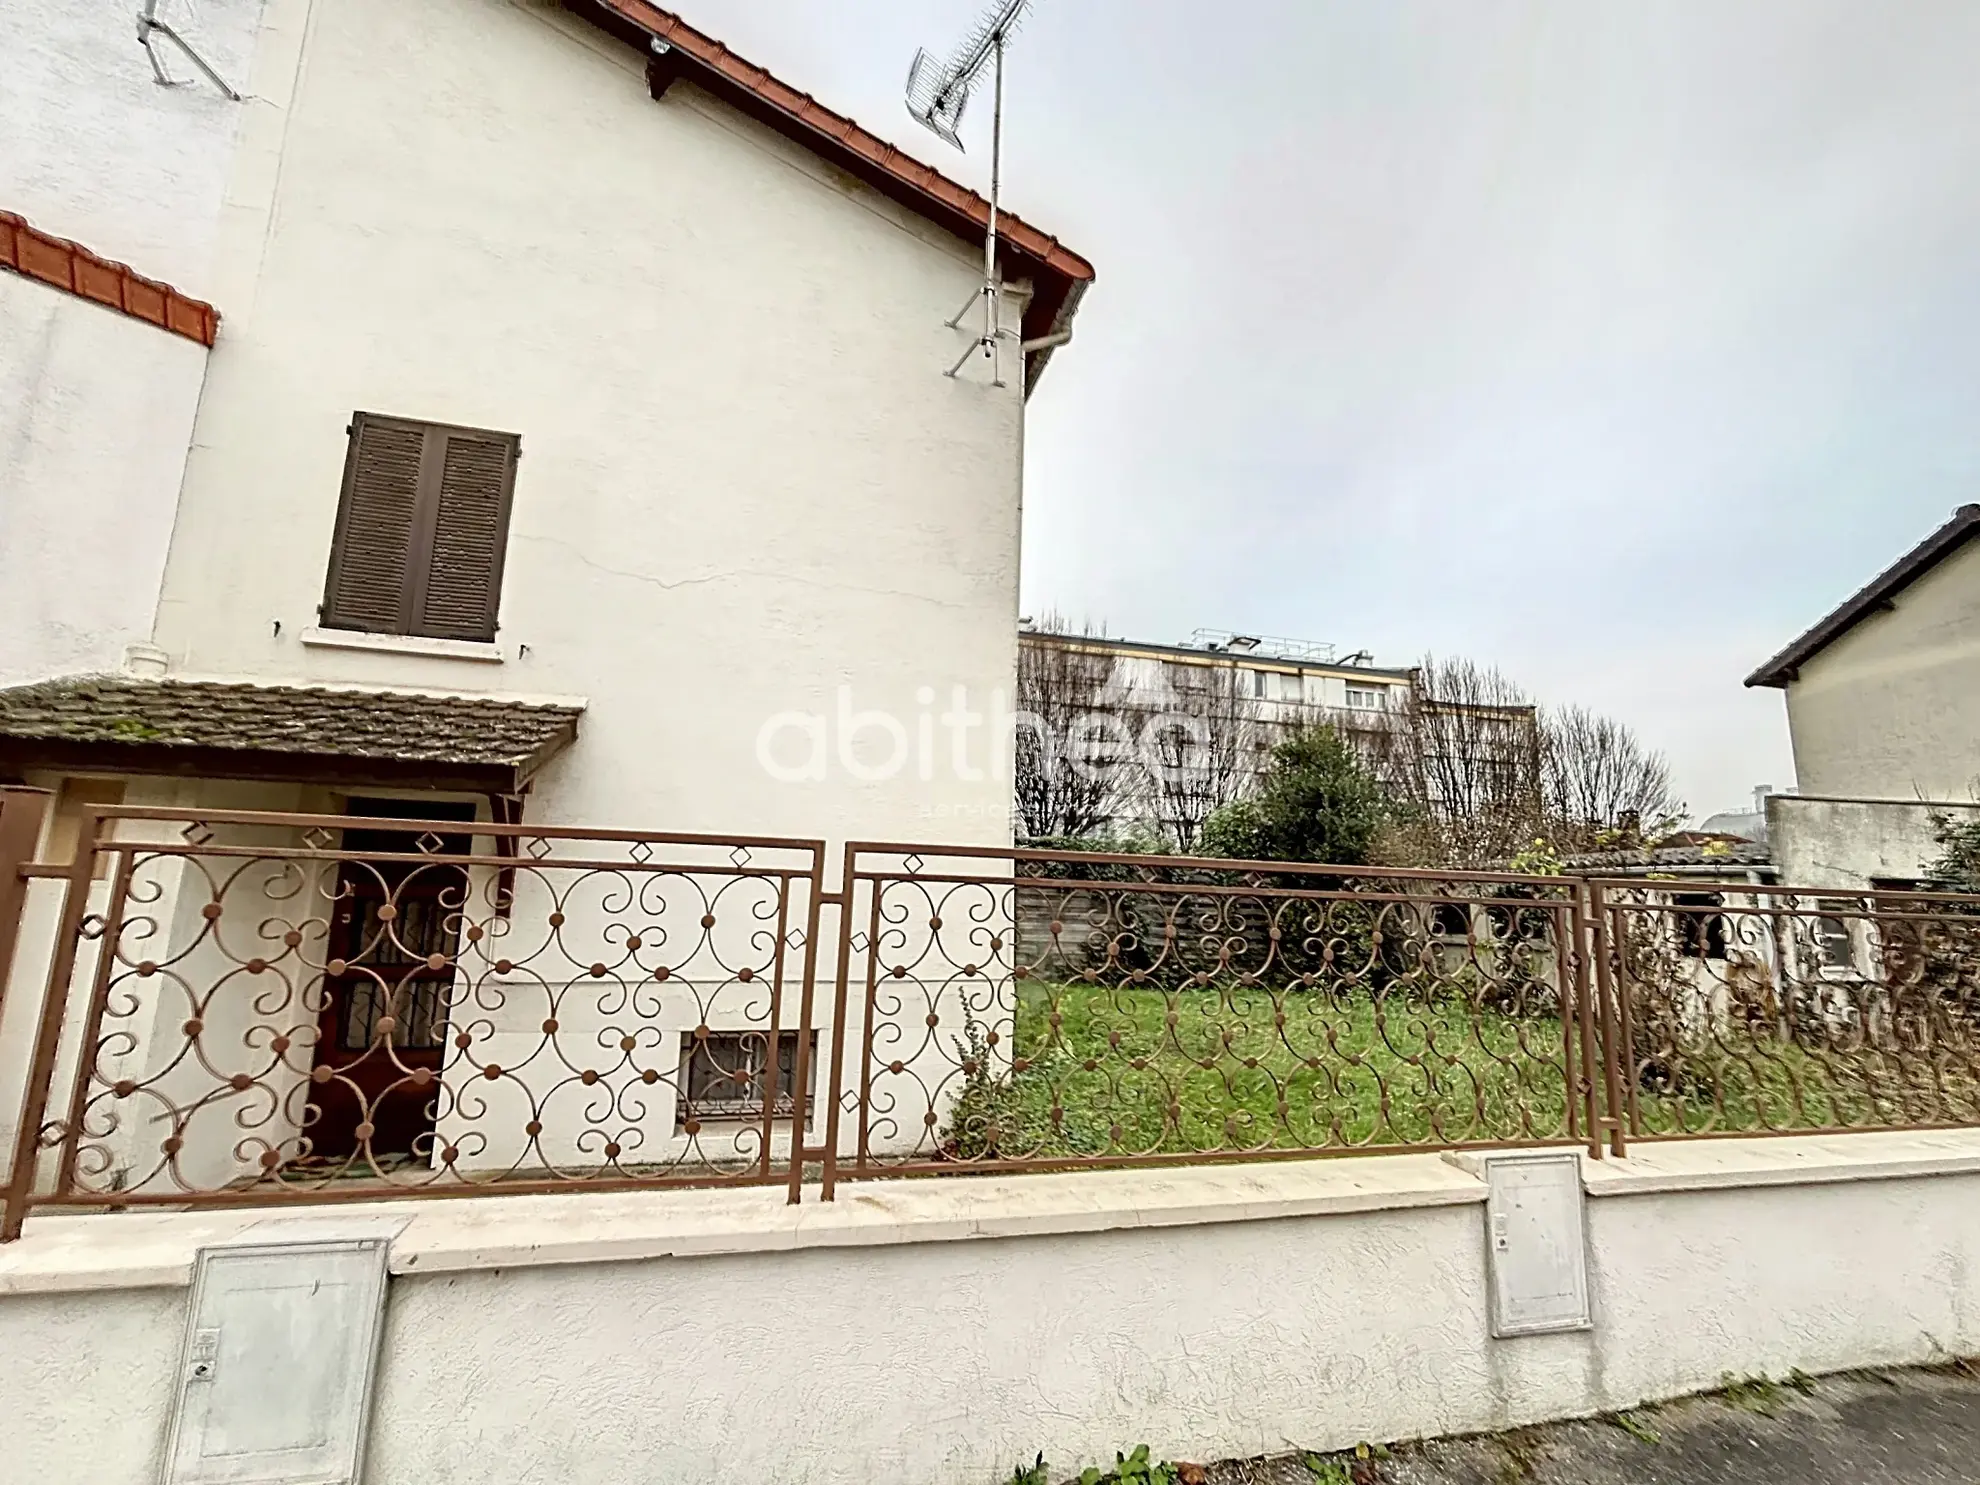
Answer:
(1536, 1251)
(275, 1380)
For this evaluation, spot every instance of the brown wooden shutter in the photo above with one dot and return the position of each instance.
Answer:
(375, 523)
(471, 527)
(421, 529)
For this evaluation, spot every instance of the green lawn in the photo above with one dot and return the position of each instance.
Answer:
(1754, 1079)
(1131, 1071)
(1109, 1071)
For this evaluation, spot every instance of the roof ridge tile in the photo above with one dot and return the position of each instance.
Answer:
(1013, 229)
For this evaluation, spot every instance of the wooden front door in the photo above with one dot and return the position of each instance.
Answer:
(383, 1025)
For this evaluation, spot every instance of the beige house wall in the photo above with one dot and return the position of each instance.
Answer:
(1891, 710)
(1854, 843)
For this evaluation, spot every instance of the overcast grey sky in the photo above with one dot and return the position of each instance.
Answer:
(1609, 341)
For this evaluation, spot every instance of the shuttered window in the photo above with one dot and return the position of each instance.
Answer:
(421, 529)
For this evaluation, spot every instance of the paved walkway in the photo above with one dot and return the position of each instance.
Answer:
(1896, 1428)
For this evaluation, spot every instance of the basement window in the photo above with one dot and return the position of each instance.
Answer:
(1701, 932)
(1833, 938)
(724, 1074)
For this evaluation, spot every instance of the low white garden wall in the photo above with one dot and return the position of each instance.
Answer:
(935, 1332)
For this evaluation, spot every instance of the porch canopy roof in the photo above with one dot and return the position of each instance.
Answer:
(300, 734)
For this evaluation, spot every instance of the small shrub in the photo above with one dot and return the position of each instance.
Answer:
(1668, 1053)
(1750, 1394)
(1132, 1469)
(1636, 1428)
(1001, 1115)
(983, 1115)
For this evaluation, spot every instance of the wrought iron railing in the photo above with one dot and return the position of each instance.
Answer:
(1028, 1009)
(1756, 1010)
(257, 1008)
(241, 1007)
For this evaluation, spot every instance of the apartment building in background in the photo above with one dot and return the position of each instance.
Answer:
(1281, 682)
(1194, 723)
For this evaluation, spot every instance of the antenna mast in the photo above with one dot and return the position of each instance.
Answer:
(148, 26)
(937, 94)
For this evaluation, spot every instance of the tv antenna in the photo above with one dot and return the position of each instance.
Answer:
(149, 28)
(937, 94)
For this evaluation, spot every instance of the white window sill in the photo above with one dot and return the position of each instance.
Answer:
(403, 644)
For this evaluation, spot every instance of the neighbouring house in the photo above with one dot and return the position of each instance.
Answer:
(1883, 705)
(1716, 944)
(1712, 860)
(102, 364)
(511, 410)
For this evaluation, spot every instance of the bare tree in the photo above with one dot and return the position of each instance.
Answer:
(1461, 760)
(1073, 764)
(1602, 785)
(1480, 773)
(1199, 749)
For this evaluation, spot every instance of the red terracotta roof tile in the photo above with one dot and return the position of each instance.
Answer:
(76, 270)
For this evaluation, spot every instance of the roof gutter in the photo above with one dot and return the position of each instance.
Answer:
(1635, 876)
(1880, 596)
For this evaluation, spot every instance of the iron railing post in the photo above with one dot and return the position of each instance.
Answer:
(1577, 974)
(1612, 1018)
(804, 1072)
(21, 813)
(845, 900)
(26, 1162)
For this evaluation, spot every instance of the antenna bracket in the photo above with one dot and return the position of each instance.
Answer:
(149, 27)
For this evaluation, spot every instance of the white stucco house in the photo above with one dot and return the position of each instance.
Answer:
(512, 409)
(1883, 705)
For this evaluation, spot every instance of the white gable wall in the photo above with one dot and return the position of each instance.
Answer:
(96, 410)
(745, 480)
(95, 413)
(93, 149)
(1892, 709)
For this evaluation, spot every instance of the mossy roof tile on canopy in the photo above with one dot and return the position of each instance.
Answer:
(242, 730)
